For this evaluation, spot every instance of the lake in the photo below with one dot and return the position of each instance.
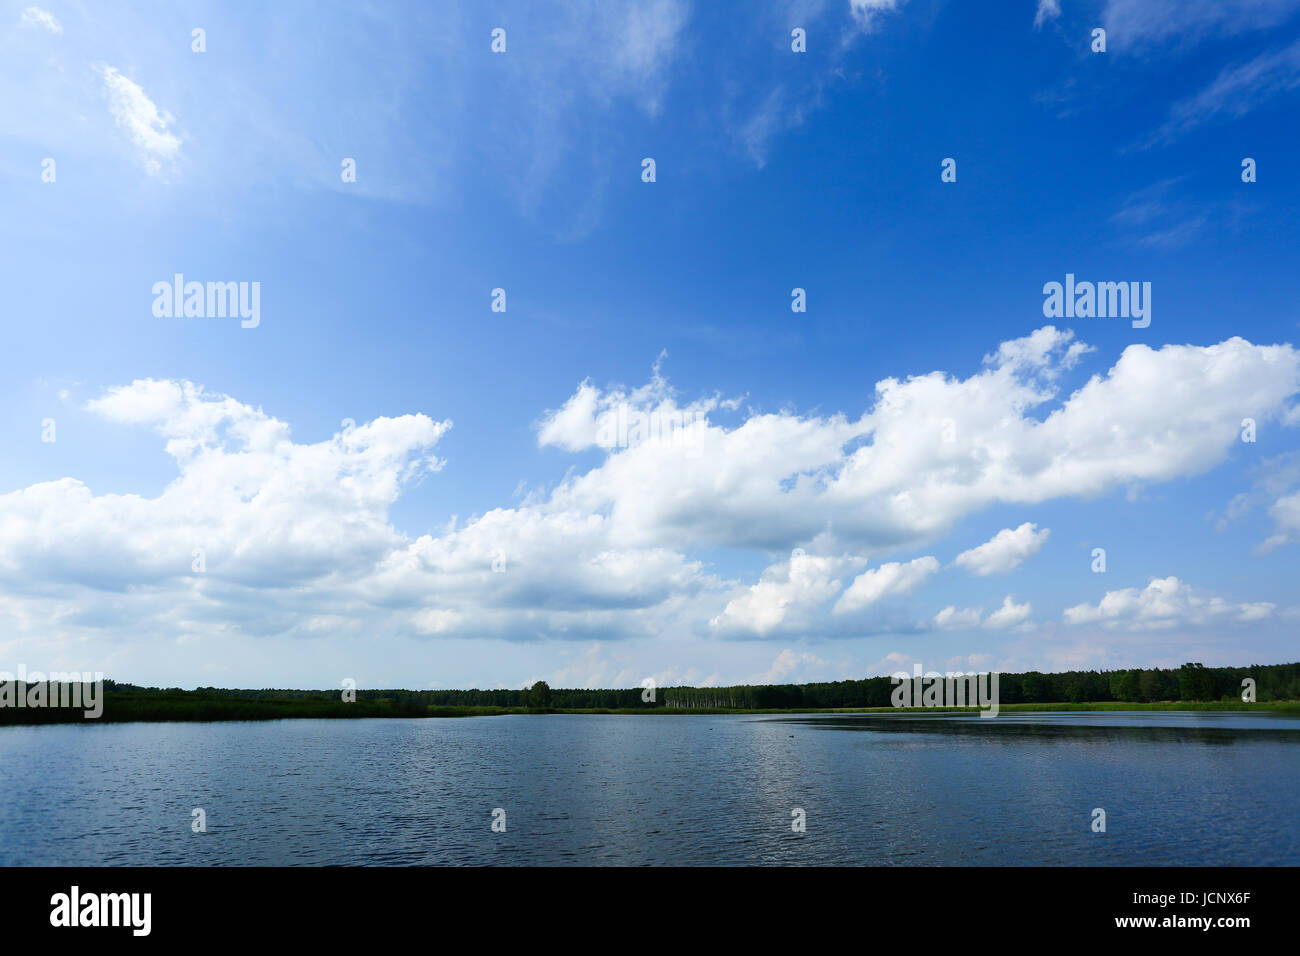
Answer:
(1177, 788)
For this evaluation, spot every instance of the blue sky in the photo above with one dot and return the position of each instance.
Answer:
(917, 468)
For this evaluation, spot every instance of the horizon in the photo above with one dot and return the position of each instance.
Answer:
(388, 357)
(5, 676)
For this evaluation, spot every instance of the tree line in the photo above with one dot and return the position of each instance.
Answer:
(1191, 682)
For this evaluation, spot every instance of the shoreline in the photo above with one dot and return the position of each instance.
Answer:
(136, 709)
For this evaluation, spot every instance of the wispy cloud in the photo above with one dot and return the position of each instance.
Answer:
(792, 665)
(1137, 25)
(1238, 90)
(868, 12)
(1047, 10)
(37, 18)
(1155, 217)
(775, 116)
(140, 117)
(1277, 488)
(757, 120)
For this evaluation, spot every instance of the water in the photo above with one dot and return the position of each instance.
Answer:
(1177, 788)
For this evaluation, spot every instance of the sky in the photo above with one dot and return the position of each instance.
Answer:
(646, 345)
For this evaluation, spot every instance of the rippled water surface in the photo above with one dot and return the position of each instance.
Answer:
(1177, 788)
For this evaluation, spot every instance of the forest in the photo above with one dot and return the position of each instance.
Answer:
(1190, 683)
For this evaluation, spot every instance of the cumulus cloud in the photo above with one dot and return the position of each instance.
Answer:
(1164, 603)
(621, 418)
(296, 537)
(891, 578)
(952, 618)
(933, 448)
(265, 511)
(1004, 551)
(146, 125)
(1010, 614)
(795, 587)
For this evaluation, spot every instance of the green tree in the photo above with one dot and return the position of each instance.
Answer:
(1035, 687)
(1149, 686)
(1125, 685)
(1195, 683)
(539, 695)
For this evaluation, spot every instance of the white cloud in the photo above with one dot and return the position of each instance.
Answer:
(1010, 614)
(1257, 611)
(1236, 91)
(888, 579)
(792, 667)
(42, 19)
(267, 512)
(576, 424)
(1286, 516)
(1160, 216)
(890, 479)
(298, 538)
(756, 114)
(644, 39)
(868, 12)
(1164, 603)
(1047, 10)
(791, 588)
(1276, 486)
(1045, 352)
(598, 665)
(622, 418)
(569, 67)
(952, 618)
(1140, 24)
(146, 125)
(1004, 551)
(778, 113)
